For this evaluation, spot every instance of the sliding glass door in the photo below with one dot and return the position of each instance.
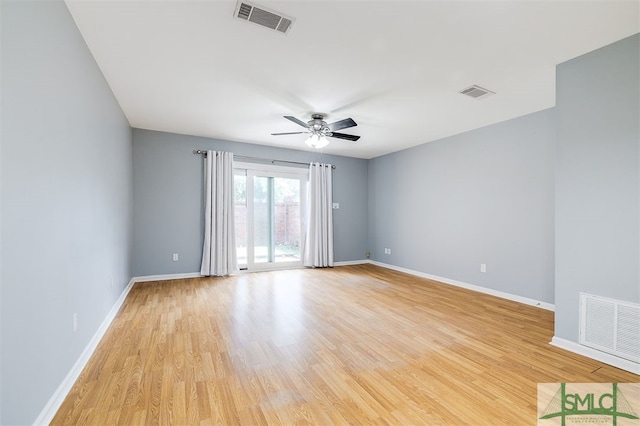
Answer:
(270, 206)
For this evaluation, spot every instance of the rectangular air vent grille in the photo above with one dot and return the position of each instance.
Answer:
(477, 92)
(244, 11)
(262, 16)
(610, 325)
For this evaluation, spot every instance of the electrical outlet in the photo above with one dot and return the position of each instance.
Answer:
(387, 251)
(74, 322)
(336, 206)
(483, 267)
(175, 257)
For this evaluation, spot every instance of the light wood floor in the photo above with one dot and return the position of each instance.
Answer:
(354, 344)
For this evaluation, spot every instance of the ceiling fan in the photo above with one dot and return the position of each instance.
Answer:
(319, 130)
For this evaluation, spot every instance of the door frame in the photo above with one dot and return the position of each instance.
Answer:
(251, 170)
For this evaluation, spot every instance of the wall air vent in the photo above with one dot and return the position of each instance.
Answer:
(262, 16)
(610, 325)
(477, 92)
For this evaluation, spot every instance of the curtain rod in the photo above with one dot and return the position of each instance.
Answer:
(199, 151)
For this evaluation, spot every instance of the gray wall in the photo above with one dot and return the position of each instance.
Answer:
(167, 181)
(484, 196)
(66, 202)
(597, 179)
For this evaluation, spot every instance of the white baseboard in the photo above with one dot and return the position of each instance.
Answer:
(497, 293)
(351, 262)
(621, 363)
(56, 400)
(166, 277)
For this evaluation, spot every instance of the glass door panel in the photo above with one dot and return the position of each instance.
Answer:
(286, 215)
(262, 219)
(240, 195)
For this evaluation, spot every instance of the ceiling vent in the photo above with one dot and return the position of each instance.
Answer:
(259, 15)
(477, 92)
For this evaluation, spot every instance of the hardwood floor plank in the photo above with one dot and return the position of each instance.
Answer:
(350, 345)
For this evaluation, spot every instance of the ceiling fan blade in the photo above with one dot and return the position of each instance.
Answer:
(288, 133)
(344, 136)
(342, 124)
(295, 120)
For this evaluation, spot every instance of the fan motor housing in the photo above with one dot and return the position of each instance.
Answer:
(318, 124)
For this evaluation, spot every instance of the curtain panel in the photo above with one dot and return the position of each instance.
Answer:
(318, 251)
(219, 249)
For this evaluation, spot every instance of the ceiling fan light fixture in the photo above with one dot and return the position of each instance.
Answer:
(317, 141)
(319, 130)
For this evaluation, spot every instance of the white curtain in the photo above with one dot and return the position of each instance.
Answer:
(319, 239)
(219, 250)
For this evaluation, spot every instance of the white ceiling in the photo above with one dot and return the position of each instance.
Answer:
(395, 67)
